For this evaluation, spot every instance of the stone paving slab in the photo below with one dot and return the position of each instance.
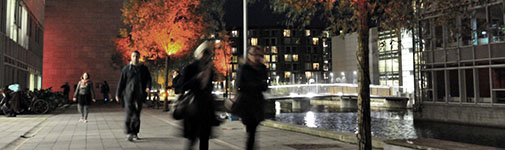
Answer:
(13, 129)
(158, 131)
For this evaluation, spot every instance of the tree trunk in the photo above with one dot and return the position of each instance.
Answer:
(165, 102)
(364, 126)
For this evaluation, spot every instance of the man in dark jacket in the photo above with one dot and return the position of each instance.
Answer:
(134, 84)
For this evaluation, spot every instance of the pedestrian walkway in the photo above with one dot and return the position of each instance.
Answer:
(158, 131)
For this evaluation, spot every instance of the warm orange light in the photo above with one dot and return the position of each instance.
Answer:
(160, 28)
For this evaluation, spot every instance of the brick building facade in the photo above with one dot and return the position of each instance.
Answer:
(79, 38)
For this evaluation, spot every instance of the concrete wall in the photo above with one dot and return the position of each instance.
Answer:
(79, 38)
(484, 115)
(344, 57)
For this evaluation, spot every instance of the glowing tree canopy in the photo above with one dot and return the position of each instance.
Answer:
(160, 28)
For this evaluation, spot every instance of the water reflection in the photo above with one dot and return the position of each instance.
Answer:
(391, 124)
(388, 124)
(310, 119)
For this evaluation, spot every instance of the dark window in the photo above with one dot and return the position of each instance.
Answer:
(440, 83)
(454, 83)
(484, 91)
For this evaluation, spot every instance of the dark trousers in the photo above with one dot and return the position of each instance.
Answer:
(251, 134)
(132, 121)
(204, 143)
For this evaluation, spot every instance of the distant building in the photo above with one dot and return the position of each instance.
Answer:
(21, 43)
(292, 56)
(388, 66)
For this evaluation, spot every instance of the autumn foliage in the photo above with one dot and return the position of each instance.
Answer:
(161, 28)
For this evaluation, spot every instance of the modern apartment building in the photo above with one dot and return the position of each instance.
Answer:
(292, 56)
(462, 65)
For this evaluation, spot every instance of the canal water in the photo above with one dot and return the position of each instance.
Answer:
(392, 124)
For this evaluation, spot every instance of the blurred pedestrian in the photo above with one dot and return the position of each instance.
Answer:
(66, 90)
(84, 94)
(251, 83)
(133, 86)
(197, 79)
(104, 89)
(176, 87)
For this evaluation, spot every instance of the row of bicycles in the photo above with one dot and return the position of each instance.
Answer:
(38, 101)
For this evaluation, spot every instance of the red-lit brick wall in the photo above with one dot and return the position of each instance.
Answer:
(79, 38)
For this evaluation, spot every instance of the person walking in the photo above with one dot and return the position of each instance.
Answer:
(84, 94)
(66, 90)
(197, 79)
(133, 86)
(251, 83)
(105, 91)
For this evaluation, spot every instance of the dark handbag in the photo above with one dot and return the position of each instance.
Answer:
(230, 104)
(184, 106)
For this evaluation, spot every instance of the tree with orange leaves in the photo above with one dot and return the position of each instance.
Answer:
(160, 28)
(163, 29)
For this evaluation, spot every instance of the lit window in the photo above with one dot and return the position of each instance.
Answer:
(267, 58)
(234, 50)
(287, 74)
(325, 44)
(234, 59)
(274, 50)
(307, 32)
(315, 66)
(315, 41)
(326, 34)
(273, 66)
(287, 58)
(325, 61)
(274, 58)
(308, 74)
(233, 74)
(295, 57)
(235, 67)
(254, 41)
(234, 33)
(287, 33)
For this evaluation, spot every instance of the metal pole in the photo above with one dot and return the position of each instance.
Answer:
(245, 28)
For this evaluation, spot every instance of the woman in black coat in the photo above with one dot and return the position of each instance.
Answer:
(197, 79)
(251, 83)
(84, 94)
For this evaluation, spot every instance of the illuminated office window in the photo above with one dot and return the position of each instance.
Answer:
(234, 50)
(274, 58)
(287, 33)
(274, 50)
(288, 58)
(267, 58)
(234, 33)
(287, 74)
(295, 57)
(307, 32)
(315, 41)
(254, 41)
(315, 66)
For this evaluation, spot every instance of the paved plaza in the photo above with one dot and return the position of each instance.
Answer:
(62, 130)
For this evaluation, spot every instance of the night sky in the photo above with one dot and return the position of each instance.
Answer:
(259, 15)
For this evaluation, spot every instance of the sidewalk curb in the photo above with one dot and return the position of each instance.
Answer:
(336, 135)
(25, 136)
